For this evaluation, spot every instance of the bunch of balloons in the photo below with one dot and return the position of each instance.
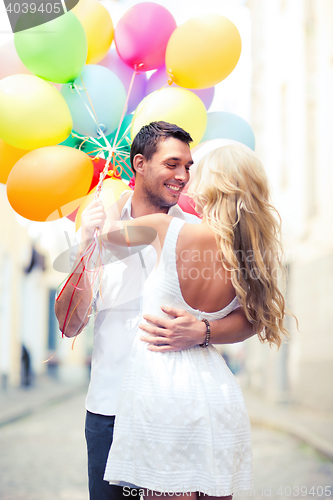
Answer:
(70, 104)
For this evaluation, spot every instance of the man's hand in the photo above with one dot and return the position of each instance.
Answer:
(185, 331)
(93, 217)
(182, 332)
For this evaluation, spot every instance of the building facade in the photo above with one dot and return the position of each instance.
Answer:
(29, 334)
(292, 118)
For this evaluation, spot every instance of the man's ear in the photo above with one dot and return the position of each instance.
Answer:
(138, 163)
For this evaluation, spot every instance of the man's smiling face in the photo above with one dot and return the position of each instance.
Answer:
(167, 172)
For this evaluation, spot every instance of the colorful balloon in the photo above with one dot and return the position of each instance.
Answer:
(113, 62)
(187, 204)
(173, 105)
(223, 125)
(159, 79)
(10, 63)
(202, 150)
(33, 113)
(44, 182)
(111, 191)
(97, 24)
(8, 157)
(203, 51)
(142, 34)
(56, 50)
(99, 87)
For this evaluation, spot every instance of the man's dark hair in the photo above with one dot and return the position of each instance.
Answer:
(149, 136)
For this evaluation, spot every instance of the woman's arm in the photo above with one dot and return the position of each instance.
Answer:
(146, 230)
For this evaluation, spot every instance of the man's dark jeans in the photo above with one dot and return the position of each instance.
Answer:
(99, 434)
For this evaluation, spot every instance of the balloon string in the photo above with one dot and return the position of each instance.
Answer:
(93, 114)
(71, 299)
(77, 88)
(74, 271)
(125, 105)
(55, 352)
(91, 104)
(111, 150)
(123, 137)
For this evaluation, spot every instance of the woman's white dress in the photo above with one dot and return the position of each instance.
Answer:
(181, 422)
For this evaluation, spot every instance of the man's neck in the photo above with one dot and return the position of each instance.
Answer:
(141, 207)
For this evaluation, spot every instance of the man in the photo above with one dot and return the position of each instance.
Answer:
(161, 160)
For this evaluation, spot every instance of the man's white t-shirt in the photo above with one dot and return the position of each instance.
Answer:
(116, 323)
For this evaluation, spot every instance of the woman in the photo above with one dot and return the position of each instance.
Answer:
(181, 424)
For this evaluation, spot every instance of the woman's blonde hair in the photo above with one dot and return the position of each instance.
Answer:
(232, 192)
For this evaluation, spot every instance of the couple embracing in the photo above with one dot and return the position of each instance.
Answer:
(159, 389)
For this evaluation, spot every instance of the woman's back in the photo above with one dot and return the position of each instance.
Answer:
(183, 280)
(204, 283)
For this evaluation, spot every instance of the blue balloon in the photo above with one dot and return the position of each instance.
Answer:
(107, 95)
(223, 125)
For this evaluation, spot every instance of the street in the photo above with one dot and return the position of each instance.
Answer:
(43, 457)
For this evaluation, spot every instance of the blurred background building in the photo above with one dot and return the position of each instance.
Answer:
(29, 333)
(291, 112)
(292, 118)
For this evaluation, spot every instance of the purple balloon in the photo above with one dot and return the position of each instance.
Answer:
(159, 79)
(113, 62)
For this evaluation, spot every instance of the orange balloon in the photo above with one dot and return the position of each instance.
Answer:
(111, 191)
(8, 157)
(47, 183)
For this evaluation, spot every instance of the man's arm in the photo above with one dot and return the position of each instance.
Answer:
(73, 304)
(185, 331)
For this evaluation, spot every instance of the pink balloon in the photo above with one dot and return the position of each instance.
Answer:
(142, 34)
(10, 63)
(187, 204)
(159, 79)
(113, 62)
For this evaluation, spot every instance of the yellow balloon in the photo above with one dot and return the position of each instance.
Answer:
(111, 191)
(44, 182)
(97, 24)
(174, 105)
(203, 51)
(33, 113)
(8, 157)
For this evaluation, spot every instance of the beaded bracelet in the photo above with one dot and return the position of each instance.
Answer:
(205, 344)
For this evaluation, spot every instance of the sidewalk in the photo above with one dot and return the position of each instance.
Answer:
(312, 427)
(17, 402)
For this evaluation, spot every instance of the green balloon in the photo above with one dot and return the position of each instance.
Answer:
(56, 50)
(71, 142)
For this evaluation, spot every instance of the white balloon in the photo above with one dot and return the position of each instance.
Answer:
(203, 149)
